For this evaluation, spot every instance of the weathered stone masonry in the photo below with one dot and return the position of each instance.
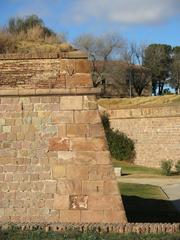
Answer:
(54, 161)
(155, 130)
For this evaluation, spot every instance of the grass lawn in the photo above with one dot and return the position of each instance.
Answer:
(129, 169)
(117, 103)
(146, 203)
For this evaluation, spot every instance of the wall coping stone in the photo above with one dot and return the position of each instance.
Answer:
(99, 227)
(61, 55)
(53, 91)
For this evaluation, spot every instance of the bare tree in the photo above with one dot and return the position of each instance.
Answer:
(138, 77)
(101, 48)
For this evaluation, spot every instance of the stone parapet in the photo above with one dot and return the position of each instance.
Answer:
(140, 228)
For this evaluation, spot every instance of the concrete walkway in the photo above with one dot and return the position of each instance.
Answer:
(171, 186)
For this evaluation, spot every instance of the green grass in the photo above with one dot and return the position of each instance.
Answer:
(129, 169)
(141, 190)
(117, 103)
(146, 203)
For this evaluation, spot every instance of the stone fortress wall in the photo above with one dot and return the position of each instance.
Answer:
(155, 131)
(54, 161)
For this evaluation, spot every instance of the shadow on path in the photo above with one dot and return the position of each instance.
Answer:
(149, 210)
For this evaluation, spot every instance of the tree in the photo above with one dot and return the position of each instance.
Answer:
(138, 77)
(17, 25)
(104, 48)
(175, 70)
(158, 59)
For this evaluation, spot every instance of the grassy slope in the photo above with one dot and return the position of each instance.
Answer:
(116, 103)
(128, 168)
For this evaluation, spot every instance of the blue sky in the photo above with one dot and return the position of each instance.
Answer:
(148, 21)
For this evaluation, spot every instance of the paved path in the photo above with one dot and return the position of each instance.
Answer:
(170, 186)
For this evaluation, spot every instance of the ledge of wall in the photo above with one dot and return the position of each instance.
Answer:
(55, 91)
(61, 55)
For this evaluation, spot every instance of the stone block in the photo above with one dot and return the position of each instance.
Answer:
(59, 171)
(71, 103)
(77, 171)
(96, 130)
(93, 187)
(66, 157)
(114, 216)
(87, 116)
(59, 144)
(77, 130)
(69, 186)
(89, 216)
(110, 187)
(79, 80)
(82, 66)
(70, 216)
(62, 130)
(61, 202)
(50, 186)
(62, 117)
(88, 144)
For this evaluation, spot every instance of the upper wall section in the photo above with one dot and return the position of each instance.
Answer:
(45, 71)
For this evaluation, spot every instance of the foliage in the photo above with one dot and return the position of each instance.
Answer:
(29, 31)
(177, 166)
(7, 42)
(158, 59)
(121, 147)
(75, 235)
(166, 167)
(175, 70)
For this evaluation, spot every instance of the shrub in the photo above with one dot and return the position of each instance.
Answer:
(166, 167)
(177, 166)
(121, 147)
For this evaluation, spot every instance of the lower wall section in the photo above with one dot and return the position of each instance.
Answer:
(155, 131)
(54, 162)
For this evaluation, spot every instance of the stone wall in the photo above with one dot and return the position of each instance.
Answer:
(41, 72)
(54, 161)
(155, 130)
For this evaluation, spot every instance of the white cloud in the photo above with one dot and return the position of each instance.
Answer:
(123, 11)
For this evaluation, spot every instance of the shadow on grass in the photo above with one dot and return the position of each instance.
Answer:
(150, 210)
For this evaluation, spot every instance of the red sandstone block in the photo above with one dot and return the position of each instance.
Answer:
(70, 216)
(89, 216)
(82, 66)
(91, 116)
(77, 130)
(59, 144)
(88, 144)
(62, 117)
(79, 80)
